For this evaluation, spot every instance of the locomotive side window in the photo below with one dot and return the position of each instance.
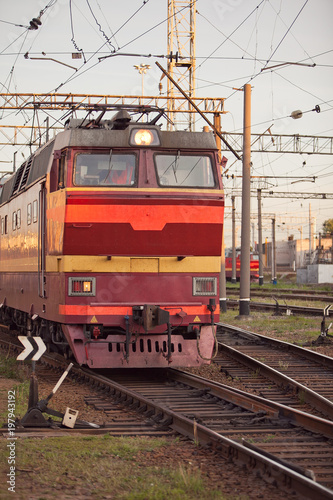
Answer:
(35, 211)
(4, 225)
(29, 214)
(112, 169)
(61, 172)
(184, 171)
(18, 219)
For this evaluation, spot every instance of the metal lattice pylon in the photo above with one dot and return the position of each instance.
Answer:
(181, 65)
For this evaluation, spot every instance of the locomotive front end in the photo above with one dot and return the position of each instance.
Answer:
(134, 225)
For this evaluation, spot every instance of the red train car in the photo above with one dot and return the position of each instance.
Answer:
(111, 241)
(254, 265)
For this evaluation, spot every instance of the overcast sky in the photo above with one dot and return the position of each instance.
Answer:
(235, 40)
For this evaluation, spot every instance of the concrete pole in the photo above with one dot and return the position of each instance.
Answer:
(223, 288)
(244, 293)
(301, 249)
(261, 270)
(234, 265)
(310, 235)
(273, 253)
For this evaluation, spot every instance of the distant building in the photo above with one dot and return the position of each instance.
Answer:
(295, 254)
(313, 265)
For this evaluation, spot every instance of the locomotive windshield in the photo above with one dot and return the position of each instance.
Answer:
(111, 169)
(184, 171)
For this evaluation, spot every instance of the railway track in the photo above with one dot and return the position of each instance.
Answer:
(279, 308)
(290, 291)
(287, 446)
(277, 443)
(283, 294)
(277, 370)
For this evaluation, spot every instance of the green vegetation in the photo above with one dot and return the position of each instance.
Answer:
(96, 467)
(285, 281)
(328, 227)
(104, 467)
(283, 365)
(295, 329)
(268, 438)
(10, 368)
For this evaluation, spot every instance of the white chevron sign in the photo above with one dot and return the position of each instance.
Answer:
(34, 348)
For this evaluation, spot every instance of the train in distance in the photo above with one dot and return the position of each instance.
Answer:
(254, 264)
(111, 237)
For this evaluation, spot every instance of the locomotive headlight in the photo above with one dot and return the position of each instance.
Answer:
(204, 286)
(82, 287)
(144, 137)
(87, 286)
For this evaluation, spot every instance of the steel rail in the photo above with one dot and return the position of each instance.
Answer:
(291, 291)
(309, 422)
(304, 393)
(255, 459)
(310, 355)
(262, 306)
(229, 449)
(278, 294)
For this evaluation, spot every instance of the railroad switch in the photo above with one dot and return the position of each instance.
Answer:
(323, 329)
(34, 416)
(278, 311)
(277, 308)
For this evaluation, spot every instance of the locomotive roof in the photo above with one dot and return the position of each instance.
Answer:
(120, 138)
(102, 134)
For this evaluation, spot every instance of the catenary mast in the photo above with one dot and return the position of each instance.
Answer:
(181, 63)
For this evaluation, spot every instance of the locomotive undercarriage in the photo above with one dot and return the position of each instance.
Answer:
(24, 324)
(107, 346)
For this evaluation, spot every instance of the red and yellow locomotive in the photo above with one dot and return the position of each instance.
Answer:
(111, 244)
(254, 265)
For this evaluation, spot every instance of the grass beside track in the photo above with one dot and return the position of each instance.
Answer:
(288, 282)
(102, 467)
(294, 329)
(99, 467)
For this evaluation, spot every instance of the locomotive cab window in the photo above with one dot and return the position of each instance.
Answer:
(104, 170)
(178, 170)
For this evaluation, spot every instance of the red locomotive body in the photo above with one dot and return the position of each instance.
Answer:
(111, 244)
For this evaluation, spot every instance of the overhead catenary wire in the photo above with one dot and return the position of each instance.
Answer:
(14, 24)
(262, 61)
(232, 33)
(79, 72)
(100, 28)
(72, 30)
(275, 50)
